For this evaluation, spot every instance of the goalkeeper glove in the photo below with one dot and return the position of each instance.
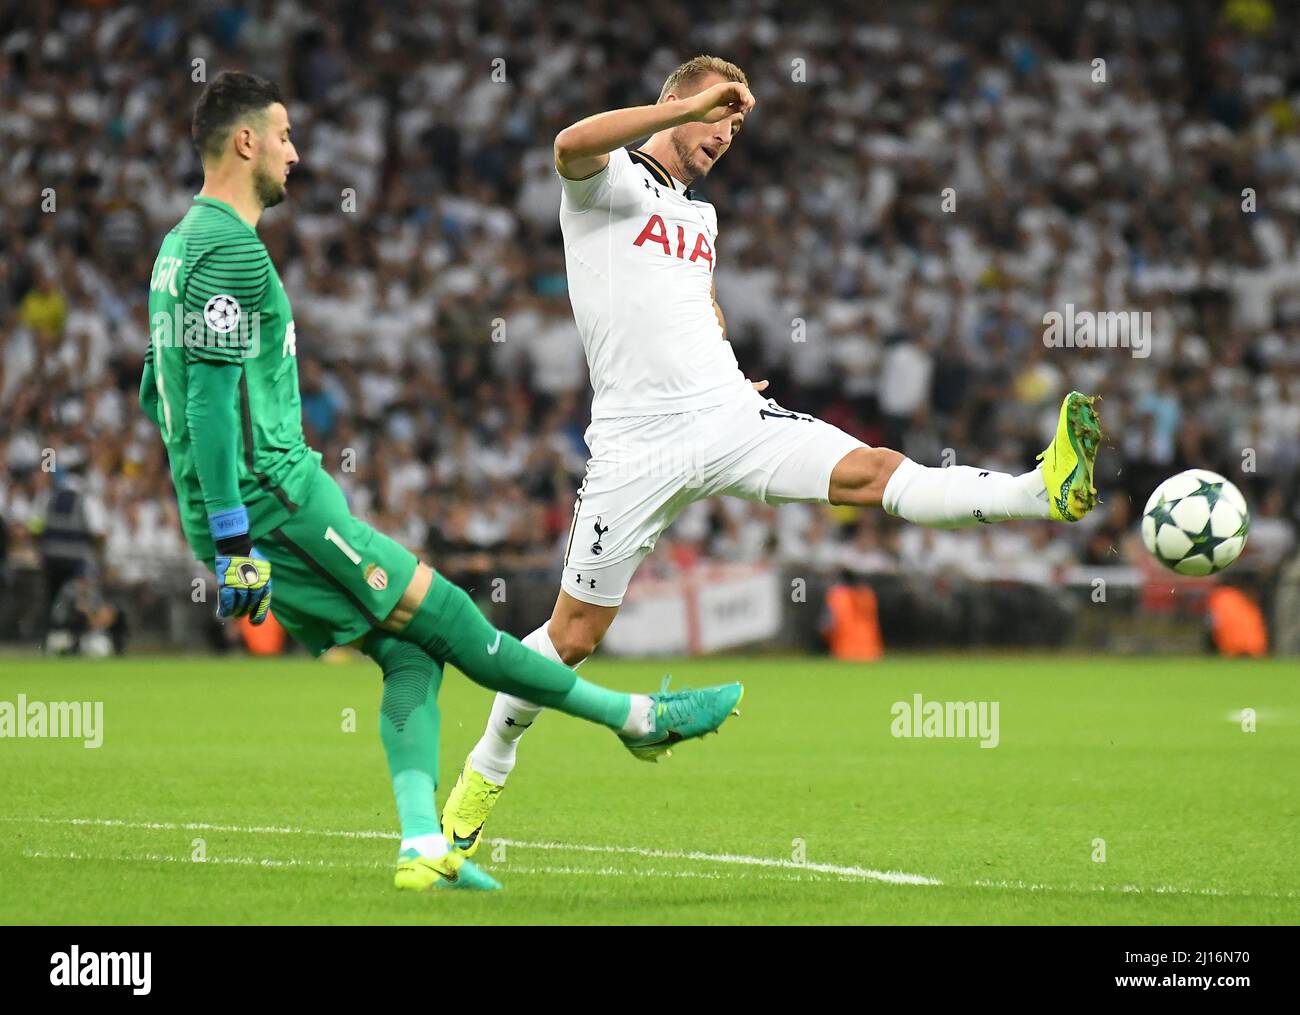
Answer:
(243, 574)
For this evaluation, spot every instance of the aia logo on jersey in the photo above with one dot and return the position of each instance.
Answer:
(656, 232)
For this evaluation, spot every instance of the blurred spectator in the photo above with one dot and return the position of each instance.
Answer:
(83, 622)
(72, 525)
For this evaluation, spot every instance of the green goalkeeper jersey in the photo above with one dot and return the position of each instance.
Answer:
(217, 309)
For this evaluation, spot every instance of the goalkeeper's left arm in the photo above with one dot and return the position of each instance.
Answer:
(243, 574)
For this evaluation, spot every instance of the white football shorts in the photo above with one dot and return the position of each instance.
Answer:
(644, 470)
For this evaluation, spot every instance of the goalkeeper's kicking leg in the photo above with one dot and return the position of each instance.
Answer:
(441, 619)
(435, 621)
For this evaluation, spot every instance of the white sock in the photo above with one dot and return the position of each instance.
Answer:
(641, 717)
(493, 756)
(960, 495)
(432, 846)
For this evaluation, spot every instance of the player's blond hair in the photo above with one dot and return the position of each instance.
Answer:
(701, 66)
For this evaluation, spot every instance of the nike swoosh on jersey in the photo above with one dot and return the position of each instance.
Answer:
(492, 649)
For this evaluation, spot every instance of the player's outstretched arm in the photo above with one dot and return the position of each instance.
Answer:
(582, 149)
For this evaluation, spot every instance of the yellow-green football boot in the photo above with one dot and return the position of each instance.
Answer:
(468, 805)
(416, 873)
(1068, 461)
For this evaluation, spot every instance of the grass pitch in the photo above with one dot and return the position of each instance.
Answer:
(806, 809)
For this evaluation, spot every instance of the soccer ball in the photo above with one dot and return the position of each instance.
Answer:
(1195, 523)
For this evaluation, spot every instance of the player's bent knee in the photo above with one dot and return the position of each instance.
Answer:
(861, 476)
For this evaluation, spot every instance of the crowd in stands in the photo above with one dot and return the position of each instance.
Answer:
(916, 189)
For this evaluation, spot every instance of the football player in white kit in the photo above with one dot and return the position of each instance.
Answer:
(674, 419)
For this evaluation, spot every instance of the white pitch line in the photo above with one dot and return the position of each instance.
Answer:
(201, 826)
(505, 868)
(844, 873)
(243, 861)
(736, 859)
(1028, 886)
(514, 868)
(889, 877)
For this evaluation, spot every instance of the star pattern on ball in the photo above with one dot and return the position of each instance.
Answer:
(1210, 491)
(1206, 541)
(1162, 514)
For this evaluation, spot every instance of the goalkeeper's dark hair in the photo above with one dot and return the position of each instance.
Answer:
(229, 97)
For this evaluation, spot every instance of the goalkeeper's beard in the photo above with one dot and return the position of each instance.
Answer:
(268, 190)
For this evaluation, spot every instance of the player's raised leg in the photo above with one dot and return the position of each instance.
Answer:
(961, 495)
(571, 634)
(440, 618)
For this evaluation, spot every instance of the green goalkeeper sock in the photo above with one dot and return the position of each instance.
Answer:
(409, 722)
(450, 627)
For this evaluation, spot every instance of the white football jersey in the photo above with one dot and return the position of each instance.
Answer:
(640, 256)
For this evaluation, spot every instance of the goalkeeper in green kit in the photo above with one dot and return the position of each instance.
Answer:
(221, 382)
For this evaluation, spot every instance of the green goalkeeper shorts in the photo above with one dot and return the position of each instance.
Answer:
(333, 577)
